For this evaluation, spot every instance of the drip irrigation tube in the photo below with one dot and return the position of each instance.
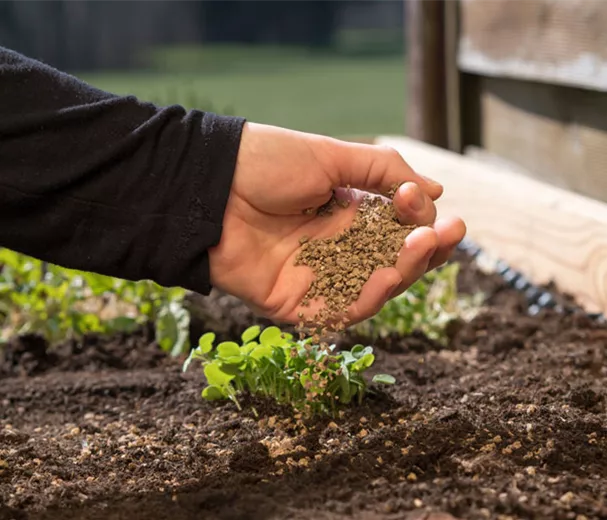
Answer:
(538, 298)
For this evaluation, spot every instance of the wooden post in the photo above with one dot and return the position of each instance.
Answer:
(426, 71)
(452, 77)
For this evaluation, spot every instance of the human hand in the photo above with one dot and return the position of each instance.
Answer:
(279, 174)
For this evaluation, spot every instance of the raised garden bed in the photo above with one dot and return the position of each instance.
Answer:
(507, 421)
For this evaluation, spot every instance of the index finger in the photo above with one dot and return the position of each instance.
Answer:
(376, 168)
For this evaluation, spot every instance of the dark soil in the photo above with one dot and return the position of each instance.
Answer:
(29, 355)
(221, 313)
(508, 422)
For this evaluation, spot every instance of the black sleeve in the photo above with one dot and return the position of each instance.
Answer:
(98, 182)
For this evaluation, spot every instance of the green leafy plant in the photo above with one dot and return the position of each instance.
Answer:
(150, 303)
(429, 305)
(271, 363)
(62, 303)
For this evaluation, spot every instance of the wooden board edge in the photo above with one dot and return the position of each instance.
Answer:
(545, 232)
(572, 73)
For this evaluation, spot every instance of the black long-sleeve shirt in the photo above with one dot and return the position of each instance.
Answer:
(110, 184)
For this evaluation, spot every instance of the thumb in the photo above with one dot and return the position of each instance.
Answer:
(375, 168)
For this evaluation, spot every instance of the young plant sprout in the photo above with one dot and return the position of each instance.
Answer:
(312, 379)
(428, 306)
(60, 304)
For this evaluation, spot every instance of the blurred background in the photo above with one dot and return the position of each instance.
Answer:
(518, 84)
(326, 66)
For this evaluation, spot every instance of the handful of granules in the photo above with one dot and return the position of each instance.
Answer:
(343, 263)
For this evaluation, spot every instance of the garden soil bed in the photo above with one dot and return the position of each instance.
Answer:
(507, 422)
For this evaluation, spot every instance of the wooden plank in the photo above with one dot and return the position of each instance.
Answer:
(426, 100)
(559, 134)
(554, 41)
(547, 233)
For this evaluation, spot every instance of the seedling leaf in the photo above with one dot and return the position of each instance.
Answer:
(228, 349)
(215, 376)
(189, 359)
(262, 351)
(272, 336)
(250, 334)
(206, 342)
(345, 372)
(384, 379)
(247, 348)
(357, 351)
(363, 363)
(213, 393)
(348, 357)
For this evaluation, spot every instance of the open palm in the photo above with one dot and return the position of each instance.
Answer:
(279, 175)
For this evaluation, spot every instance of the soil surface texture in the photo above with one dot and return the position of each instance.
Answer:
(507, 422)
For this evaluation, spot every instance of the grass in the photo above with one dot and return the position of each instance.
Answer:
(329, 93)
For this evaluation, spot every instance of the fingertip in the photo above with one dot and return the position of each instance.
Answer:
(410, 193)
(452, 221)
(451, 230)
(421, 239)
(375, 293)
(433, 189)
(413, 205)
(413, 259)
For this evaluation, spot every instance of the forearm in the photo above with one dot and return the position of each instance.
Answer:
(104, 183)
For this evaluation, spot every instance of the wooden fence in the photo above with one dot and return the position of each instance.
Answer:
(520, 88)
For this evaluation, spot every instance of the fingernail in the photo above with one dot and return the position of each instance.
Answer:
(431, 181)
(416, 202)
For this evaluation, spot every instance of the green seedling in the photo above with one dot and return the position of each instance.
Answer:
(272, 363)
(428, 306)
(152, 303)
(62, 303)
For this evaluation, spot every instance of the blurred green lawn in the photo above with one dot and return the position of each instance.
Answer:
(330, 93)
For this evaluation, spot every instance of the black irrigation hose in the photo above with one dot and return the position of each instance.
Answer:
(537, 297)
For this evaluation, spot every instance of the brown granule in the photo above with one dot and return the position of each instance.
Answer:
(343, 263)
